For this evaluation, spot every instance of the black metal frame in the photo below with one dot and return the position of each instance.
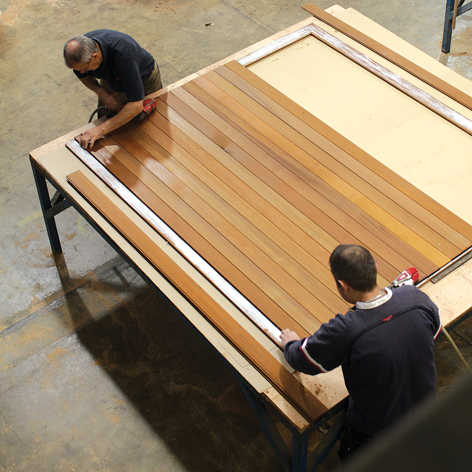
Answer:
(447, 34)
(297, 459)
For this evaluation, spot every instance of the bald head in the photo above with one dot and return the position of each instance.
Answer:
(355, 265)
(79, 50)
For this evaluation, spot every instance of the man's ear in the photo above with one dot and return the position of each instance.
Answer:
(342, 284)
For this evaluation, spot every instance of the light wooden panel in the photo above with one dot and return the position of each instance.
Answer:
(264, 191)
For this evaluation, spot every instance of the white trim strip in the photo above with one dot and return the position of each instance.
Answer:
(367, 63)
(177, 242)
(275, 46)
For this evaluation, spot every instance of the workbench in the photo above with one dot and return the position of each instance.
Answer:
(430, 155)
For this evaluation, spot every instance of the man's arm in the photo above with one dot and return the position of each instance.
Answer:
(321, 352)
(126, 114)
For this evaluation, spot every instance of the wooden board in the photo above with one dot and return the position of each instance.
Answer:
(255, 185)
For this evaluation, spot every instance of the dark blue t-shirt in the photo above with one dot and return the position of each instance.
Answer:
(389, 368)
(125, 66)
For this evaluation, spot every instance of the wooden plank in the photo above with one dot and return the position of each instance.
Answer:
(395, 58)
(402, 230)
(403, 186)
(278, 375)
(147, 168)
(243, 282)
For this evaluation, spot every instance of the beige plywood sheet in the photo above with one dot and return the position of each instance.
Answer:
(423, 148)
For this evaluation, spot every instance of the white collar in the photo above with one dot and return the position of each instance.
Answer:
(384, 297)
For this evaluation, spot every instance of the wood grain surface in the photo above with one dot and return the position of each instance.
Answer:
(264, 191)
(260, 189)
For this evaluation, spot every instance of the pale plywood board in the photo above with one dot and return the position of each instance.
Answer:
(452, 293)
(423, 148)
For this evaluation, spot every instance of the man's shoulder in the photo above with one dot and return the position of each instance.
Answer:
(411, 295)
(109, 36)
(103, 31)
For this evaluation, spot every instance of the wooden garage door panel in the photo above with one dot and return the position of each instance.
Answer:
(261, 190)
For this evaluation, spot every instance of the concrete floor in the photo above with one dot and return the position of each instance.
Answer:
(92, 376)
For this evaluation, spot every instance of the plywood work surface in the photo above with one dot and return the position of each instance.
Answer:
(410, 139)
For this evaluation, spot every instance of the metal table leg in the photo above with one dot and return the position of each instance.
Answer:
(50, 209)
(447, 33)
(298, 460)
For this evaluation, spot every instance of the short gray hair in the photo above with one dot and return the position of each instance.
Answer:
(79, 50)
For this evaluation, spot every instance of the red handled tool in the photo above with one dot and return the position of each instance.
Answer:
(149, 105)
(407, 277)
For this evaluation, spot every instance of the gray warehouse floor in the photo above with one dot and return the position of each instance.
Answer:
(92, 375)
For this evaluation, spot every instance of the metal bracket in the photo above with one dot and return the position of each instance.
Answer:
(452, 267)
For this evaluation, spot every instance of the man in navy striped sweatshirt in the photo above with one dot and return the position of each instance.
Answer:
(384, 345)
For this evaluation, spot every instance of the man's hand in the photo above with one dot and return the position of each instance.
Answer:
(286, 336)
(88, 138)
(127, 113)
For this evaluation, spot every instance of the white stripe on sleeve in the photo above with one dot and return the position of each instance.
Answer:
(309, 358)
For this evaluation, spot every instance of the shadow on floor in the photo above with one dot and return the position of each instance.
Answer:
(173, 378)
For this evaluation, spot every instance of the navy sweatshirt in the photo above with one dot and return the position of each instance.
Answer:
(385, 349)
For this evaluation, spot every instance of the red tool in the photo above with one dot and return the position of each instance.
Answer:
(407, 277)
(149, 105)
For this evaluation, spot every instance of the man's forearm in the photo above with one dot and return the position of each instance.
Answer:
(127, 113)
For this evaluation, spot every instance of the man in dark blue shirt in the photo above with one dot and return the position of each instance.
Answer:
(384, 345)
(126, 71)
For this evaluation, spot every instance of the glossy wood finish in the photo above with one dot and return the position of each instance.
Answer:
(264, 191)
(254, 184)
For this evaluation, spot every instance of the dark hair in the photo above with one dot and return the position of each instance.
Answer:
(355, 265)
(79, 50)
